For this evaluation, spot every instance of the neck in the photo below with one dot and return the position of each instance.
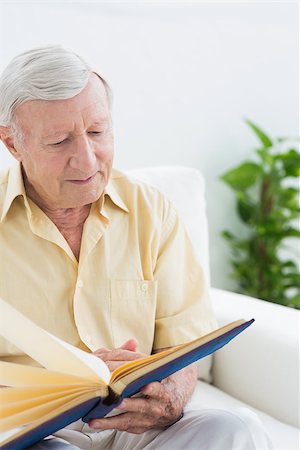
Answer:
(69, 221)
(67, 218)
(63, 218)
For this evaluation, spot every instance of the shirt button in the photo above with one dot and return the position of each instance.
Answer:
(144, 287)
(79, 283)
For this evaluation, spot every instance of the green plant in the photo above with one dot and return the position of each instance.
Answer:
(267, 201)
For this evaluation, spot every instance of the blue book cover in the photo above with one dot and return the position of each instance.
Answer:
(97, 407)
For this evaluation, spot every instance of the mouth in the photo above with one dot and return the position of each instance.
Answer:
(85, 181)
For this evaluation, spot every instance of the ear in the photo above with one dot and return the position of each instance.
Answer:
(9, 141)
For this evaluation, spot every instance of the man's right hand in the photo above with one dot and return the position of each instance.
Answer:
(121, 355)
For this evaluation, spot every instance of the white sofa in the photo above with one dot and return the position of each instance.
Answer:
(258, 370)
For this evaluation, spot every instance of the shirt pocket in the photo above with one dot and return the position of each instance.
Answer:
(132, 308)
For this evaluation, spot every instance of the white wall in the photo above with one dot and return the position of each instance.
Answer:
(184, 75)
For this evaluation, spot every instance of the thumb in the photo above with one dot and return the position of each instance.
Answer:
(130, 344)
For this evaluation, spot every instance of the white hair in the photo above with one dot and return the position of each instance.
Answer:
(45, 73)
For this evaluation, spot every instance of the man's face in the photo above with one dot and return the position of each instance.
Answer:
(67, 148)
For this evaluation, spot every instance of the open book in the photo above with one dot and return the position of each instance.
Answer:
(74, 384)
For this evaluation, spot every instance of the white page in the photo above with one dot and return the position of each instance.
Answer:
(50, 351)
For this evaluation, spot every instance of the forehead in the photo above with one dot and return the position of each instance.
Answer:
(49, 116)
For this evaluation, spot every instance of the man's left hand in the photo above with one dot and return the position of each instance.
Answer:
(161, 405)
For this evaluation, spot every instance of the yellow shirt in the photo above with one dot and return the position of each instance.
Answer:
(136, 276)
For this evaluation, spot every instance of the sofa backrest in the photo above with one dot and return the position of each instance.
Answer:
(185, 187)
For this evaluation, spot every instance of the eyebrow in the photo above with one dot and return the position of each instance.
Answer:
(59, 132)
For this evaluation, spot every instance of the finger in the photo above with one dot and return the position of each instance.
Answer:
(101, 350)
(122, 422)
(130, 345)
(121, 355)
(140, 405)
(152, 409)
(154, 389)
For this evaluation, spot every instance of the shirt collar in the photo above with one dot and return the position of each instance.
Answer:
(15, 187)
(112, 192)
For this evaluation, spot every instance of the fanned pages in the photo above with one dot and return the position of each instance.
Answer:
(74, 384)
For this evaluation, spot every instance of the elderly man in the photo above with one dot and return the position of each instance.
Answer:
(99, 260)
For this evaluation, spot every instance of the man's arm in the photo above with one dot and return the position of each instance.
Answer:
(162, 402)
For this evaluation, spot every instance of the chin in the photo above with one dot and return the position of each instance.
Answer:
(79, 196)
(83, 200)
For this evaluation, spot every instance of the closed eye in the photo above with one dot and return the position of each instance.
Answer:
(60, 142)
(93, 133)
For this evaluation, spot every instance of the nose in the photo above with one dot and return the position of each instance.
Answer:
(83, 156)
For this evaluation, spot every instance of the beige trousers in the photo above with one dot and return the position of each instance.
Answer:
(203, 429)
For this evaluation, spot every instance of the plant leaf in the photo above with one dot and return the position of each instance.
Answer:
(265, 156)
(245, 209)
(242, 176)
(227, 235)
(291, 232)
(264, 139)
(291, 162)
(268, 204)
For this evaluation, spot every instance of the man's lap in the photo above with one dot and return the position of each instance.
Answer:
(204, 429)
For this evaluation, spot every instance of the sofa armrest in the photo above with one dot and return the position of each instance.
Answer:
(260, 367)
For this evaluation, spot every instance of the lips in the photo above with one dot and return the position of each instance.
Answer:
(83, 182)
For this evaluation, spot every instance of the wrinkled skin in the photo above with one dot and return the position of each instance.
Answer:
(160, 405)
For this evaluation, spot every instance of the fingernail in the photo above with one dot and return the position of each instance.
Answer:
(96, 424)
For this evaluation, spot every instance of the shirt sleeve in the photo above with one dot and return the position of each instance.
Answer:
(183, 310)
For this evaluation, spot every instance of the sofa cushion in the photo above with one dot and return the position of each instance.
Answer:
(261, 367)
(283, 437)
